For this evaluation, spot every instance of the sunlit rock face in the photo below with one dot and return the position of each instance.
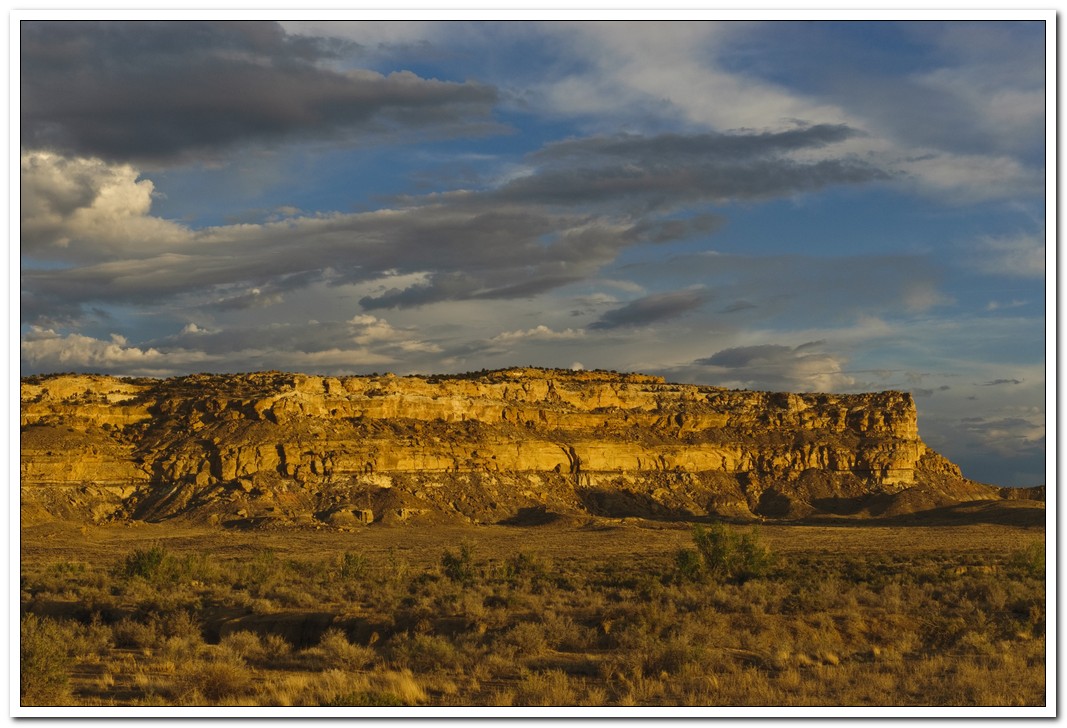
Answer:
(286, 449)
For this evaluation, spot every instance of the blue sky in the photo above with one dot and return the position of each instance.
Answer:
(806, 206)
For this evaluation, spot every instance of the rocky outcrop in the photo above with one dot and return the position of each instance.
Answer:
(275, 448)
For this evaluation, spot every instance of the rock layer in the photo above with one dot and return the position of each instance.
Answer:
(501, 446)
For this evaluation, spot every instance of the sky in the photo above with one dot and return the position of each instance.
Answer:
(778, 205)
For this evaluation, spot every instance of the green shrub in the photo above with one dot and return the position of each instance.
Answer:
(353, 566)
(522, 566)
(145, 563)
(459, 566)
(688, 566)
(1030, 559)
(731, 556)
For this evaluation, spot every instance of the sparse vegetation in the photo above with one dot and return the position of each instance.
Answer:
(610, 615)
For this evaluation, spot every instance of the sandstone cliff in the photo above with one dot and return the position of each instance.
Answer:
(512, 445)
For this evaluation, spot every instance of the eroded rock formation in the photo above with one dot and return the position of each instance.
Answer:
(502, 446)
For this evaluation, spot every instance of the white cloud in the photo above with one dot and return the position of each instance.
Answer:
(84, 209)
(44, 349)
(990, 107)
(373, 35)
(921, 296)
(47, 350)
(968, 178)
(674, 67)
(1020, 256)
(1001, 305)
(369, 330)
(538, 333)
(807, 367)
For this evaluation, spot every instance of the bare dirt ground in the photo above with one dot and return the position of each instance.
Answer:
(597, 539)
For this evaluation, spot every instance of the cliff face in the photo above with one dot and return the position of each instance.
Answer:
(273, 448)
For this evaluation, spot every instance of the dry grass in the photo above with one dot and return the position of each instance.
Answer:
(601, 615)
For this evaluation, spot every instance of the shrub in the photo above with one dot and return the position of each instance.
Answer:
(528, 638)
(424, 652)
(459, 566)
(91, 640)
(728, 555)
(335, 651)
(244, 645)
(522, 566)
(215, 680)
(1030, 559)
(353, 566)
(688, 566)
(145, 563)
(43, 662)
(549, 688)
(129, 633)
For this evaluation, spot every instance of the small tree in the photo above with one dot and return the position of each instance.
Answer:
(731, 556)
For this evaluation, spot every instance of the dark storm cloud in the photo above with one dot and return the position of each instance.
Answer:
(651, 309)
(157, 91)
(672, 169)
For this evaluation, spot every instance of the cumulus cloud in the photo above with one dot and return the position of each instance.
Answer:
(160, 91)
(537, 333)
(45, 349)
(315, 346)
(80, 209)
